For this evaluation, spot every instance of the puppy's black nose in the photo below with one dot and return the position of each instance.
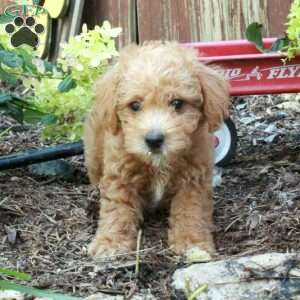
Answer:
(154, 139)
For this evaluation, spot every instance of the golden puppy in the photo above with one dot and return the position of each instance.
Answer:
(149, 142)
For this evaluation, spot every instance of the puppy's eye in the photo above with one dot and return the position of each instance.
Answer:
(135, 106)
(177, 104)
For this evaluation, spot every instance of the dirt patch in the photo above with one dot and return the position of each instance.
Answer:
(47, 223)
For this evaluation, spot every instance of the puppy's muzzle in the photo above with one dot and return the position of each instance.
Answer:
(154, 140)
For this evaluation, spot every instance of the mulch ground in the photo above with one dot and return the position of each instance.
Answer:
(46, 223)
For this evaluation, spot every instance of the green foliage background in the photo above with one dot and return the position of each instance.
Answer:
(289, 45)
(293, 31)
(84, 58)
(57, 95)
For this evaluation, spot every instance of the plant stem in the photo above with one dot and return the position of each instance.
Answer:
(138, 248)
(202, 289)
(35, 76)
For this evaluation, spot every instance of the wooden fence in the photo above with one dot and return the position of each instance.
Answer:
(187, 20)
(3, 5)
(184, 20)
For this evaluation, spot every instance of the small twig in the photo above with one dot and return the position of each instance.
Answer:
(111, 291)
(110, 257)
(4, 132)
(232, 223)
(138, 248)
(137, 266)
(49, 218)
(202, 289)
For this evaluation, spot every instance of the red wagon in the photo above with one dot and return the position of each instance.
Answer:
(250, 72)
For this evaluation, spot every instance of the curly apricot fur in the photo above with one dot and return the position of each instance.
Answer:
(132, 178)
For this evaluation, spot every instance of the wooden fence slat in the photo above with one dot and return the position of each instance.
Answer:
(195, 20)
(150, 16)
(277, 16)
(4, 4)
(120, 13)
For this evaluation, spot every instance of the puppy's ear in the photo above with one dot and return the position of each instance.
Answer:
(107, 92)
(105, 107)
(215, 90)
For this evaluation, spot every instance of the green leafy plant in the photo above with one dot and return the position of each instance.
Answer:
(56, 95)
(15, 274)
(254, 35)
(16, 64)
(289, 44)
(293, 31)
(8, 285)
(22, 110)
(84, 58)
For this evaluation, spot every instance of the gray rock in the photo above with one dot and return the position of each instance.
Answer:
(56, 168)
(273, 276)
(248, 120)
(11, 295)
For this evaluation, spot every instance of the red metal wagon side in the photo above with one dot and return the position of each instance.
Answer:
(251, 72)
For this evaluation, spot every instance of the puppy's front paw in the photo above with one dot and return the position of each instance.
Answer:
(105, 246)
(190, 244)
(189, 249)
(197, 255)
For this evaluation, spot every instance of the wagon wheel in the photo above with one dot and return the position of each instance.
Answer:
(225, 140)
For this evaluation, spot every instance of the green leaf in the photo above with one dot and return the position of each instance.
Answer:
(4, 19)
(9, 78)
(14, 111)
(21, 110)
(3, 99)
(27, 57)
(10, 59)
(48, 66)
(48, 119)
(67, 84)
(279, 44)
(35, 116)
(254, 35)
(6, 285)
(15, 274)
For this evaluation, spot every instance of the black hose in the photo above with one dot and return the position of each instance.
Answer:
(40, 155)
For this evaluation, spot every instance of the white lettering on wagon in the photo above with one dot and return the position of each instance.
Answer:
(255, 73)
(284, 72)
(276, 72)
(231, 73)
